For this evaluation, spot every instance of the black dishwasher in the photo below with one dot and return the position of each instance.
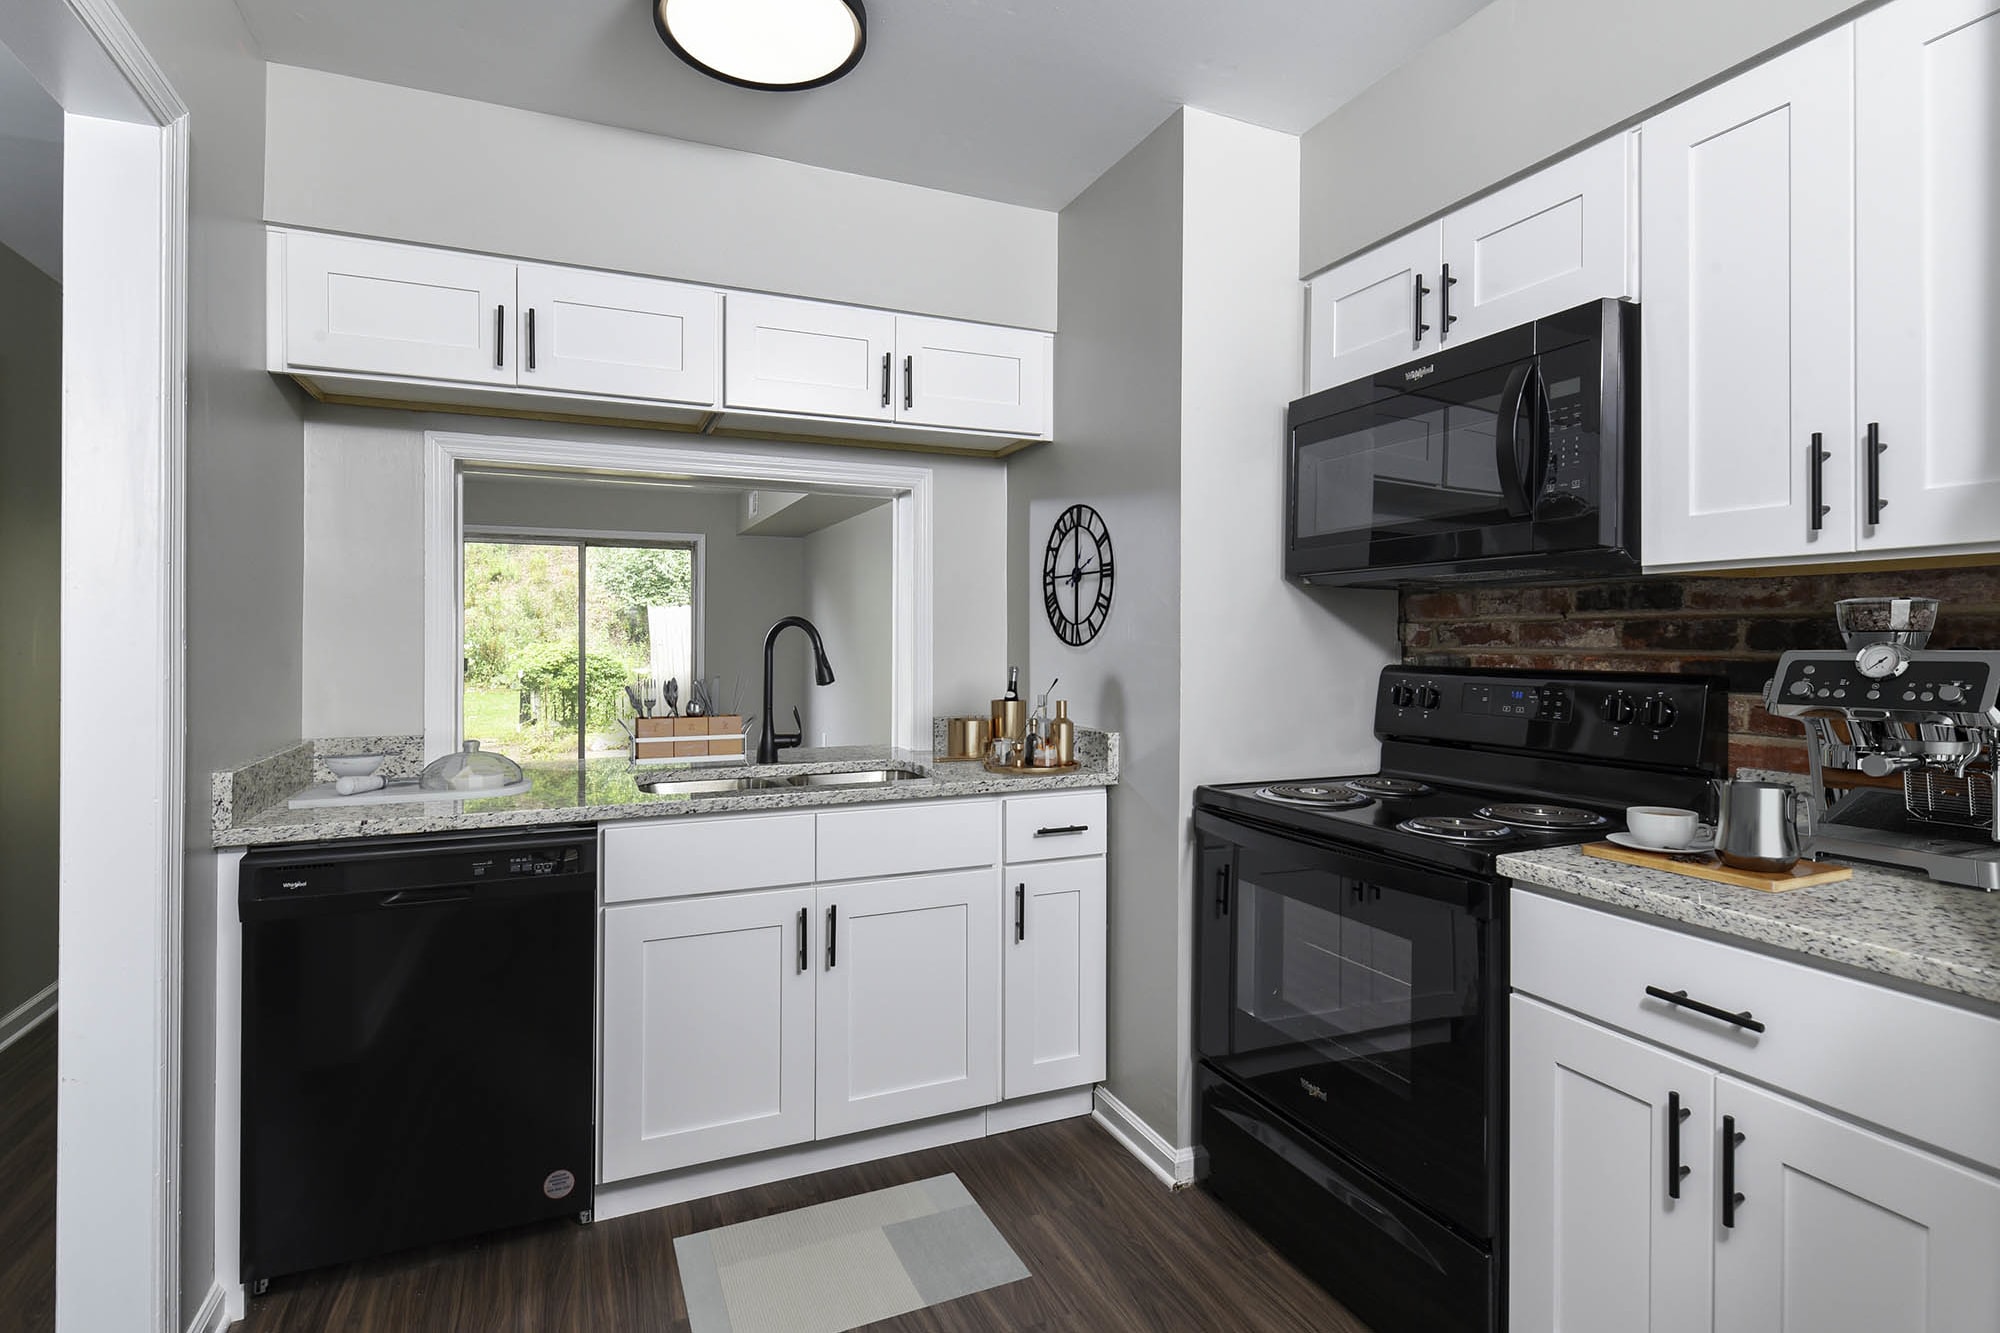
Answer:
(418, 1021)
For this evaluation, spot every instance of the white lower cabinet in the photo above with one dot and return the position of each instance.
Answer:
(707, 1028)
(909, 1000)
(1054, 951)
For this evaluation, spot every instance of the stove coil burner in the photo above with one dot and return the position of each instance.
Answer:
(1315, 795)
(1458, 828)
(1385, 786)
(1544, 816)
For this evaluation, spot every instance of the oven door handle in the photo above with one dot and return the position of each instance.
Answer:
(1471, 895)
(1515, 471)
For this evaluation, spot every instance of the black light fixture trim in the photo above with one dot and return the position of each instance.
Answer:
(860, 45)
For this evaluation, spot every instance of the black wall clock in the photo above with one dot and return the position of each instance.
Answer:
(1076, 575)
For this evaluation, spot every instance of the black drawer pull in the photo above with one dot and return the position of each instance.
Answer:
(832, 930)
(1062, 832)
(499, 335)
(1731, 1199)
(1020, 912)
(802, 939)
(1676, 1173)
(1679, 998)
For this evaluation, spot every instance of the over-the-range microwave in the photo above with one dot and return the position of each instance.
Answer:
(1513, 457)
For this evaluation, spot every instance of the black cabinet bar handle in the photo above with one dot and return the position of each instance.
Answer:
(802, 939)
(885, 378)
(1679, 998)
(1419, 328)
(1676, 1172)
(531, 337)
(1222, 891)
(1874, 449)
(1445, 318)
(499, 335)
(1731, 1200)
(1063, 831)
(832, 926)
(1020, 912)
(1816, 457)
(909, 380)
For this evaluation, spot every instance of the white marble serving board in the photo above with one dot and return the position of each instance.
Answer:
(399, 793)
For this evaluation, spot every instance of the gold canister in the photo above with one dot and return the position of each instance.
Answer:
(967, 737)
(1010, 719)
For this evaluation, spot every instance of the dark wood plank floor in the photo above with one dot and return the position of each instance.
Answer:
(28, 1183)
(1109, 1247)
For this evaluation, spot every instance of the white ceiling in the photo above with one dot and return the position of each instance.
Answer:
(31, 128)
(1025, 101)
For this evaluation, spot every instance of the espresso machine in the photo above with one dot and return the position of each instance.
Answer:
(1905, 742)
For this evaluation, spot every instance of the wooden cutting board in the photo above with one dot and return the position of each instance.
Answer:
(1707, 865)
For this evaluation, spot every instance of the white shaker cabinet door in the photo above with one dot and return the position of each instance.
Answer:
(1749, 315)
(1841, 1230)
(1054, 976)
(792, 356)
(973, 376)
(1927, 191)
(377, 308)
(1549, 241)
(1597, 1241)
(1375, 311)
(909, 999)
(707, 1029)
(619, 335)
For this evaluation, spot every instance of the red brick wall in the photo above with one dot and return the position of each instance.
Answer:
(1733, 626)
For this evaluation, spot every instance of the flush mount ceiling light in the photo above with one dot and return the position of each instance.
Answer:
(777, 45)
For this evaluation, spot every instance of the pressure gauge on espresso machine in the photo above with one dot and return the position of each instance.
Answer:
(1879, 661)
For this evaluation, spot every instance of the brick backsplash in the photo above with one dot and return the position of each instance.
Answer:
(1732, 626)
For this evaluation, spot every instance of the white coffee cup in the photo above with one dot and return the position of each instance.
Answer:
(1662, 825)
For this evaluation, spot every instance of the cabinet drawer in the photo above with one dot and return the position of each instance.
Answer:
(1042, 828)
(675, 858)
(1914, 1066)
(908, 839)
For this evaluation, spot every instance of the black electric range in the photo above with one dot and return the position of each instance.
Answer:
(1351, 977)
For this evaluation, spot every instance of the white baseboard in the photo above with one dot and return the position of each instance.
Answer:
(213, 1316)
(1174, 1166)
(27, 1016)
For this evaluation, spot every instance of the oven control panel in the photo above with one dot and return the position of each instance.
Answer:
(1673, 720)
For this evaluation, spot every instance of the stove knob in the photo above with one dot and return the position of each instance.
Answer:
(1402, 695)
(1431, 697)
(1618, 709)
(1660, 712)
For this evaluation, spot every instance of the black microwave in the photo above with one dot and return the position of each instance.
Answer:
(1510, 458)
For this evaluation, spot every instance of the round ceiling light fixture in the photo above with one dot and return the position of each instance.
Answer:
(774, 45)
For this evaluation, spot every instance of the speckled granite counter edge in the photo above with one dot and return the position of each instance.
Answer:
(1888, 922)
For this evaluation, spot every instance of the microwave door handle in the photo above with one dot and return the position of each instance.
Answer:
(1506, 440)
(1540, 443)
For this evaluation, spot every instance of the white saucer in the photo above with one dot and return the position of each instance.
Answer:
(1703, 844)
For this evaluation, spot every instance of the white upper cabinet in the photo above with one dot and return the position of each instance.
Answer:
(973, 376)
(616, 335)
(1837, 1229)
(1550, 241)
(1547, 242)
(1374, 311)
(1747, 409)
(374, 308)
(1054, 971)
(1927, 181)
(809, 357)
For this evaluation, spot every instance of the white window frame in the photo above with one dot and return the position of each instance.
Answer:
(510, 533)
(449, 455)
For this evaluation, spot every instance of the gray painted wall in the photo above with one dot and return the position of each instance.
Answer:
(30, 623)
(747, 582)
(243, 507)
(364, 559)
(1518, 83)
(1118, 389)
(850, 587)
(350, 155)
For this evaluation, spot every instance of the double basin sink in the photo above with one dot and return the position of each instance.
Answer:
(872, 777)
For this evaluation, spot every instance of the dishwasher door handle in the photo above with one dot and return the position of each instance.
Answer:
(425, 897)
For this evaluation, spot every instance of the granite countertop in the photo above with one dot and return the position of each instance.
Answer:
(250, 803)
(1894, 923)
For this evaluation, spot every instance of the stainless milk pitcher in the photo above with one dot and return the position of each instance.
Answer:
(1756, 825)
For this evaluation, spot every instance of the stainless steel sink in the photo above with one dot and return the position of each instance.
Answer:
(865, 778)
(710, 786)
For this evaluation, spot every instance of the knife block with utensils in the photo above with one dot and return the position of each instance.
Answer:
(716, 737)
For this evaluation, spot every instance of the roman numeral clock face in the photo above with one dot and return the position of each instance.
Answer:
(1076, 575)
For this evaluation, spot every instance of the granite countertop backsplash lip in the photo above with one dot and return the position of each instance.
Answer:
(1894, 923)
(250, 807)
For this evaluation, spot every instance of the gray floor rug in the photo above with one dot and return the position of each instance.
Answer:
(840, 1265)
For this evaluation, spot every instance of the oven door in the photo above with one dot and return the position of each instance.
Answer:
(1362, 998)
